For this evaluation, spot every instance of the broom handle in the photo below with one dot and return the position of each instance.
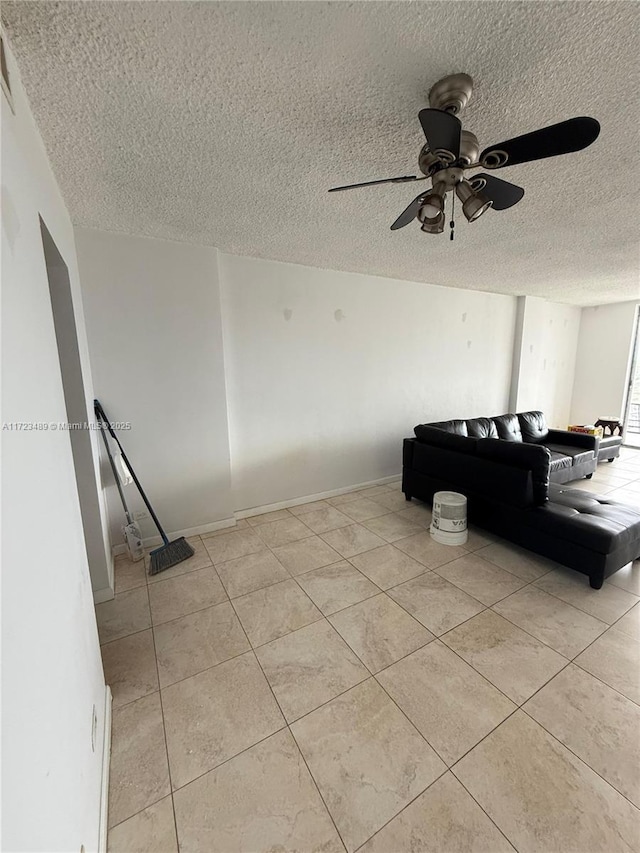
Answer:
(101, 412)
(113, 468)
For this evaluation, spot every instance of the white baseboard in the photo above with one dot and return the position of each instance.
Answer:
(106, 762)
(150, 541)
(106, 594)
(256, 510)
(112, 572)
(196, 531)
(319, 496)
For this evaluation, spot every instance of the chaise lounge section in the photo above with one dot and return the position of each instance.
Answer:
(509, 489)
(609, 448)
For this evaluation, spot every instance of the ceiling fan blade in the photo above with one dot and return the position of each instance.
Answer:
(501, 193)
(402, 180)
(442, 131)
(563, 138)
(410, 212)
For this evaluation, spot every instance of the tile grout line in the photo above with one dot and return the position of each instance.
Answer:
(544, 643)
(447, 766)
(520, 707)
(251, 646)
(370, 676)
(204, 773)
(582, 610)
(477, 672)
(615, 690)
(575, 754)
(288, 727)
(164, 727)
(480, 806)
(530, 583)
(622, 617)
(486, 607)
(373, 675)
(417, 796)
(525, 586)
(317, 787)
(435, 637)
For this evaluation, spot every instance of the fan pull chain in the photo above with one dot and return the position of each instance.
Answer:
(452, 224)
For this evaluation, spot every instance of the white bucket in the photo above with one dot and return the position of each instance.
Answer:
(449, 520)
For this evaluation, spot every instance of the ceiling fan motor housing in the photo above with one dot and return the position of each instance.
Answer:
(449, 177)
(429, 161)
(451, 94)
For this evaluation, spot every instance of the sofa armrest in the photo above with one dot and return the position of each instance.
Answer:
(571, 439)
(531, 457)
(407, 452)
(441, 438)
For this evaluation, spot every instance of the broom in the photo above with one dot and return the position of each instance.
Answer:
(131, 531)
(170, 553)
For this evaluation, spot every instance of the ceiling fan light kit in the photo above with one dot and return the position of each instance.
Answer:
(433, 204)
(450, 151)
(473, 204)
(433, 226)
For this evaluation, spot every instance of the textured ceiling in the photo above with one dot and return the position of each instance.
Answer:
(225, 124)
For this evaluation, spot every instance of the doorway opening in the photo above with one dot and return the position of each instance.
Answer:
(76, 408)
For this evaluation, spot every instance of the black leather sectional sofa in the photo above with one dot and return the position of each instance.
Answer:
(512, 469)
(572, 454)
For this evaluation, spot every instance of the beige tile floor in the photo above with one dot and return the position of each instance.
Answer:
(328, 677)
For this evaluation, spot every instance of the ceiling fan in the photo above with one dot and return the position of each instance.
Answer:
(450, 151)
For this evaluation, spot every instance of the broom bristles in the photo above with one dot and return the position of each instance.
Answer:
(170, 555)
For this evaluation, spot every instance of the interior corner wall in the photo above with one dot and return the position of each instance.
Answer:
(517, 353)
(603, 361)
(152, 310)
(547, 358)
(52, 679)
(328, 371)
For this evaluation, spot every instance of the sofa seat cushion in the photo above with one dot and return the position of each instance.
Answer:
(592, 521)
(559, 460)
(577, 454)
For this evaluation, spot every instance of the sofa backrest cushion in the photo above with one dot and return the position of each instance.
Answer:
(482, 428)
(457, 427)
(534, 458)
(437, 437)
(508, 427)
(474, 476)
(533, 427)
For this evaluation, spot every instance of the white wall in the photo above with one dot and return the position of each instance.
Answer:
(328, 371)
(603, 361)
(51, 669)
(546, 360)
(152, 310)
